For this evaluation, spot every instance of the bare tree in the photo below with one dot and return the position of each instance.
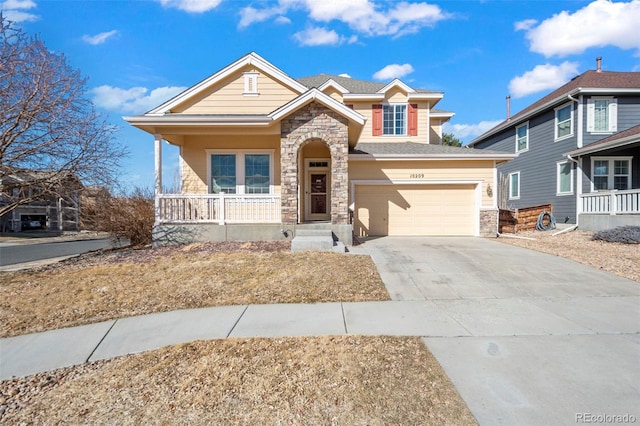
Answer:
(47, 124)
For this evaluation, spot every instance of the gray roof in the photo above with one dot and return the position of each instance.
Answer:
(351, 84)
(421, 149)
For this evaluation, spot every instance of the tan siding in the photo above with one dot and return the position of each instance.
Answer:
(436, 132)
(194, 157)
(335, 94)
(227, 97)
(427, 170)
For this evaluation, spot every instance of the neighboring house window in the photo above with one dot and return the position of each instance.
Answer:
(394, 119)
(611, 173)
(602, 114)
(565, 178)
(514, 185)
(522, 138)
(241, 172)
(251, 83)
(564, 121)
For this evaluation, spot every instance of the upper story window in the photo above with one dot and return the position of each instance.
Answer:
(564, 121)
(602, 114)
(522, 138)
(250, 84)
(394, 119)
(610, 173)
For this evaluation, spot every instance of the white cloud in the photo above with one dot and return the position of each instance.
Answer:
(315, 36)
(15, 10)
(136, 100)
(344, 75)
(191, 6)
(542, 77)
(600, 23)
(362, 16)
(525, 25)
(99, 38)
(469, 131)
(393, 71)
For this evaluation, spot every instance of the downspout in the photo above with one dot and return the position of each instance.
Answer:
(578, 191)
(579, 144)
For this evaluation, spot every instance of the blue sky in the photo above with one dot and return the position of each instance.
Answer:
(137, 54)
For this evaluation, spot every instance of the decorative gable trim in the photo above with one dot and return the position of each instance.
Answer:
(335, 85)
(250, 59)
(316, 95)
(396, 83)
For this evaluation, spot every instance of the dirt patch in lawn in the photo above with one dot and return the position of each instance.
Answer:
(617, 258)
(123, 283)
(345, 380)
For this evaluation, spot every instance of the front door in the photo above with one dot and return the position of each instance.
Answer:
(318, 195)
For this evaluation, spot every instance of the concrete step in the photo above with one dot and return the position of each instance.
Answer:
(316, 240)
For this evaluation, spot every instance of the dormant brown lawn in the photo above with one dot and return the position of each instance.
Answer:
(295, 381)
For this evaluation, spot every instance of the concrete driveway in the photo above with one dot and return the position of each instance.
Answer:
(547, 341)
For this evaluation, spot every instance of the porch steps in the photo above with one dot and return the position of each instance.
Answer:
(316, 240)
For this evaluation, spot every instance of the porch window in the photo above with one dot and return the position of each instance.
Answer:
(564, 122)
(223, 174)
(394, 119)
(241, 172)
(611, 173)
(256, 168)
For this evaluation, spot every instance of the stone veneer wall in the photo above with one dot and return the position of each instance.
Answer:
(488, 223)
(314, 122)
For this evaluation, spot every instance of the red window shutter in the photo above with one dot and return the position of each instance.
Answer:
(413, 120)
(349, 106)
(377, 120)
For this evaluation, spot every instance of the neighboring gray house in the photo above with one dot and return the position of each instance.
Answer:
(578, 149)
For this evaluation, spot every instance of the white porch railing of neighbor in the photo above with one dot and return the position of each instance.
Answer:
(218, 208)
(612, 202)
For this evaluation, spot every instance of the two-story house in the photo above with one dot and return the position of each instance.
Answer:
(578, 149)
(263, 154)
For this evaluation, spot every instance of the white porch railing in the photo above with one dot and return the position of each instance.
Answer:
(611, 202)
(218, 208)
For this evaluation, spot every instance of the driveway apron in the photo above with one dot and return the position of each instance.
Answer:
(545, 340)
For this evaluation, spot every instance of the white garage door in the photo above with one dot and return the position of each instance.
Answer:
(415, 210)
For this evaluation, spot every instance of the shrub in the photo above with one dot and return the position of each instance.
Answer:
(621, 234)
(129, 217)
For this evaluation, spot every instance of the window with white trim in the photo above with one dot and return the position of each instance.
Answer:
(241, 172)
(250, 84)
(522, 138)
(394, 119)
(610, 173)
(564, 177)
(514, 185)
(602, 114)
(564, 121)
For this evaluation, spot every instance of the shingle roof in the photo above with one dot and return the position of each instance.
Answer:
(629, 137)
(419, 149)
(588, 80)
(351, 84)
(633, 131)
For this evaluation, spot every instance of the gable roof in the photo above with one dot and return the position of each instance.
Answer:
(592, 82)
(251, 58)
(626, 137)
(326, 100)
(351, 84)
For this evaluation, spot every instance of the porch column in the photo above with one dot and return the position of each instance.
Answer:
(158, 175)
